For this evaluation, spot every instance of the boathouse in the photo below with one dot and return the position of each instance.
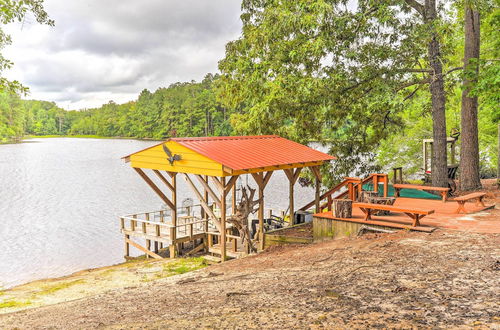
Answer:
(210, 166)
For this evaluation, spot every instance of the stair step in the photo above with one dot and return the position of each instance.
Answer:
(211, 259)
(229, 253)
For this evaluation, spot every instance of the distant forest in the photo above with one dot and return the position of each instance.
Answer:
(182, 109)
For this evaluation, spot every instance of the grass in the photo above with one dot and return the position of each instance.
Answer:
(55, 288)
(14, 303)
(179, 266)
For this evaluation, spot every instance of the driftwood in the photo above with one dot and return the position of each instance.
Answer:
(239, 220)
(342, 208)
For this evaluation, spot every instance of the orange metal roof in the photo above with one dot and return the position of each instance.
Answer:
(247, 152)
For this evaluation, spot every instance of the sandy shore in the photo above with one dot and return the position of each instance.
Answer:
(444, 279)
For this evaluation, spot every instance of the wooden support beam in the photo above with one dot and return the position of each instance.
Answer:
(292, 178)
(143, 249)
(208, 190)
(317, 192)
(205, 214)
(230, 184)
(127, 248)
(164, 180)
(217, 183)
(222, 229)
(155, 188)
(261, 180)
(233, 199)
(202, 201)
(196, 249)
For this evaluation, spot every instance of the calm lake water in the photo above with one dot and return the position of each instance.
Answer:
(60, 199)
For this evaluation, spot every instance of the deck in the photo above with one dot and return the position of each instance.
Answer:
(444, 217)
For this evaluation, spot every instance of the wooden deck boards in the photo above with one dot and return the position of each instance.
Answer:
(444, 216)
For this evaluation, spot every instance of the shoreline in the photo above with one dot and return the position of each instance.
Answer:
(94, 281)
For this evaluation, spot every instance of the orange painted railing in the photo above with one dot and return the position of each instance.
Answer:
(354, 187)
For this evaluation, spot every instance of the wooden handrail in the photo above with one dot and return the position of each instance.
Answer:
(330, 192)
(163, 224)
(326, 194)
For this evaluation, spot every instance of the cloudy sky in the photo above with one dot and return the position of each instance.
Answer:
(111, 50)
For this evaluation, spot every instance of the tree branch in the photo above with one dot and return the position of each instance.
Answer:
(417, 6)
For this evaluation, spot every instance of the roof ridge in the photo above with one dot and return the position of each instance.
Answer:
(211, 138)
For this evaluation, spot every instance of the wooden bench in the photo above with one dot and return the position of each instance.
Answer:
(414, 213)
(442, 191)
(463, 199)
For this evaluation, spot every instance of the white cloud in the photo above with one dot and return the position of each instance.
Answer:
(111, 50)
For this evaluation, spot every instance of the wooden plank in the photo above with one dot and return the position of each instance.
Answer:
(143, 249)
(382, 223)
(216, 181)
(258, 178)
(196, 249)
(178, 168)
(393, 208)
(419, 187)
(209, 190)
(267, 177)
(223, 251)
(154, 187)
(469, 196)
(164, 180)
(230, 184)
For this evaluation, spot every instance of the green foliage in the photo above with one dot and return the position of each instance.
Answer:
(11, 11)
(405, 147)
(182, 109)
(320, 70)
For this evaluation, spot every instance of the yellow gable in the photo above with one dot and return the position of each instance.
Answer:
(191, 162)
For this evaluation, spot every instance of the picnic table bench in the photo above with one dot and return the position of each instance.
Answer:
(442, 191)
(463, 199)
(414, 213)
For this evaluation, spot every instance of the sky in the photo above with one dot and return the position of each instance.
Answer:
(111, 50)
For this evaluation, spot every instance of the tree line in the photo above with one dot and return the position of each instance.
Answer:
(371, 81)
(182, 109)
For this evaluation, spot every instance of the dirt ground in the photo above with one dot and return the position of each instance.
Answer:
(445, 279)
(407, 279)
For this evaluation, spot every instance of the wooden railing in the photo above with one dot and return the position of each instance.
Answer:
(353, 188)
(156, 223)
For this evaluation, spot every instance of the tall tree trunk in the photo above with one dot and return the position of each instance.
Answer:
(469, 151)
(439, 159)
(498, 157)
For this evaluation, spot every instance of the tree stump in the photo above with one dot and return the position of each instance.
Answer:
(342, 208)
(383, 201)
(367, 195)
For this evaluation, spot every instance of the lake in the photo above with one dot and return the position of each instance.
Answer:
(60, 199)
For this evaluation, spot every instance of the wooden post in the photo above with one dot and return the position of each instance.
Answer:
(317, 175)
(292, 178)
(223, 222)
(233, 199)
(261, 217)
(375, 183)
(127, 247)
(261, 181)
(290, 196)
(173, 231)
(386, 185)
